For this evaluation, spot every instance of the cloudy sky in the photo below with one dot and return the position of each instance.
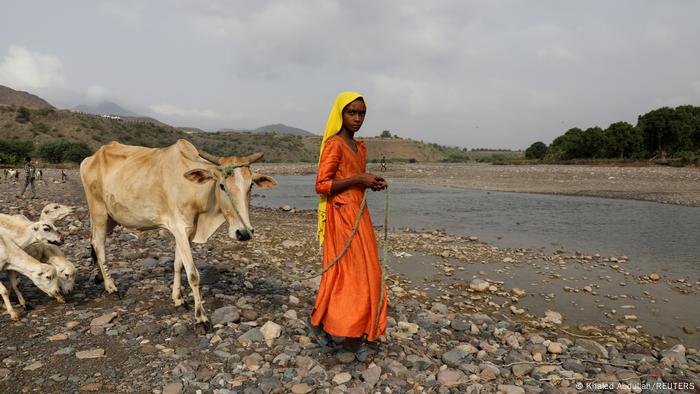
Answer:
(499, 74)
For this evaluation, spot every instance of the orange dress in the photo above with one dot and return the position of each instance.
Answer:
(348, 297)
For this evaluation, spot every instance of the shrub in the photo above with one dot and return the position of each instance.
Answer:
(13, 152)
(536, 151)
(58, 151)
(23, 115)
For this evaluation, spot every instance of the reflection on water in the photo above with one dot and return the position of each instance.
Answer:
(658, 236)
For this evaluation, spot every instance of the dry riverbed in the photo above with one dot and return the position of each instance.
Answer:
(465, 316)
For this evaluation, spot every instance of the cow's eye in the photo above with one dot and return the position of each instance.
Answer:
(221, 185)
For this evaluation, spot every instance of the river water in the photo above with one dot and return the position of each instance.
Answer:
(662, 237)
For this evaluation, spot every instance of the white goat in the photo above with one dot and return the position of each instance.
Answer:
(13, 259)
(43, 251)
(25, 236)
(51, 213)
(51, 254)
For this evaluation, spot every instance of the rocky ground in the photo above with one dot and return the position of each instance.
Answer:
(662, 184)
(457, 329)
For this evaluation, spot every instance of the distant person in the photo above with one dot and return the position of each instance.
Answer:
(30, 174)
(64, 176)
(382, 163)
(351, 299)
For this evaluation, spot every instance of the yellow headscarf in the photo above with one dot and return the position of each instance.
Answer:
(333, 126)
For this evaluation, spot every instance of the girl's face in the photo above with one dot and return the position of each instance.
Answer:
(354, 115)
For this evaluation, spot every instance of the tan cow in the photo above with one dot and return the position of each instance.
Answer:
(176, 188)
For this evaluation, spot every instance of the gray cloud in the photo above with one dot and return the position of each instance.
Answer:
(468, 73)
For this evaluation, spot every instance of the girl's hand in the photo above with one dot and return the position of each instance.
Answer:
(372, 181)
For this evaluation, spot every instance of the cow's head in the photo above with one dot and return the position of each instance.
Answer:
(234, 181)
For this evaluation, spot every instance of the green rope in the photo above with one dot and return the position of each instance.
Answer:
(228, 170)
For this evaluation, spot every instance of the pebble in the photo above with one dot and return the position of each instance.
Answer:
(371, 375)
(451, 377)
(172, 388)
(301, 388)
(87, 354)
(342, 378)
(479, 285)
(227, 314)
(33, 366)
(270, 331)
(103, 320)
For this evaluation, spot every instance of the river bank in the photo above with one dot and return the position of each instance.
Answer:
(668, 185)
(465, 316)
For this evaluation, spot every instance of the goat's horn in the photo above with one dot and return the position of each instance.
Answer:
(206, 156)
(255, 157)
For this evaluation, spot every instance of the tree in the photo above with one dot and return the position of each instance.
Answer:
(13, 152)
(52, 151)
(386, 134)
(666, 130)
(61, 151)
(567, 146)
(592, 144)
(76, 152)
(622, 140)
(536, 151)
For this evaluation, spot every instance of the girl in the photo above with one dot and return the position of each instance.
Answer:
(348, 300)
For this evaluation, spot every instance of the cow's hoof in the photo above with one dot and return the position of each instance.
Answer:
(202, 328)
(28, 307)
(98, 279)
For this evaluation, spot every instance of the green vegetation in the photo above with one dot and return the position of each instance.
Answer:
(13, 152)
(661, 133)
(23, 115)
(63, 151)
(536, 151)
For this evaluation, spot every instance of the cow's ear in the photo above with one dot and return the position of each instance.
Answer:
(199, 175)
(264, 181)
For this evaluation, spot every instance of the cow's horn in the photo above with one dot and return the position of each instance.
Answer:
(255, 157)
(206, 156)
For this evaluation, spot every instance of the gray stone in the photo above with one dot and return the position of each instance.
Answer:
(593, 347)
(510, 389)
(459, 324)
(148, 328)
(397, 369)
(209, 274)
(345, 357)
(459, 355)
(227, 314)
(480, 318)
(149, 263)
(522, 369)
(66, 351)
(251, 336)
(371, 375)
(675, 353)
